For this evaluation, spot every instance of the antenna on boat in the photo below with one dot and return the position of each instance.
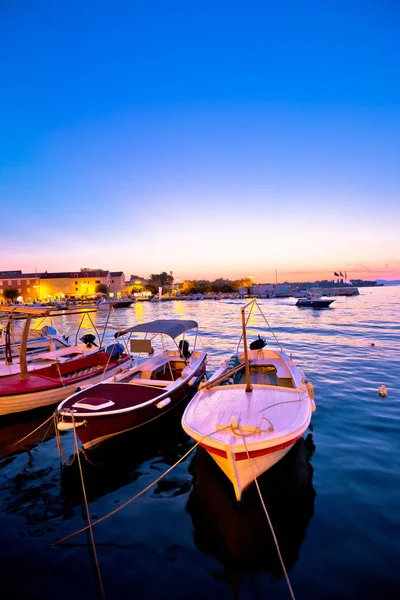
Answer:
(249, 387)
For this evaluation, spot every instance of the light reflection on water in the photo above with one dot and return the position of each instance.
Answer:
(347, 549)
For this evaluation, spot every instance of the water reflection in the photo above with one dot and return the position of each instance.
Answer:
(14, 428)
(238, 535)
(123, 460)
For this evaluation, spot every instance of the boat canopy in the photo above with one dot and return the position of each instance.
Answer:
(36, 311)
(42, 311)
(171, 327)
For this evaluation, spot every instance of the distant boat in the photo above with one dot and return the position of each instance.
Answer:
(108, 302)
(301, 293)
(314, 299)
(251, 411)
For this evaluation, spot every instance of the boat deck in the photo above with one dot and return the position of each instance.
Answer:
(57, 375)
(109, 397)
(269, 411)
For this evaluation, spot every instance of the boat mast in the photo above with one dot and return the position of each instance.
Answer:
(249, 387)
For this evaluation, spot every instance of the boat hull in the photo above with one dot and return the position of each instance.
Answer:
(35, 346)
(16, 403)
(242, 471)
(314, 303)
(96, 428)
(117, 304)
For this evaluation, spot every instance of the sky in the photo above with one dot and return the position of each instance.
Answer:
(210, 139)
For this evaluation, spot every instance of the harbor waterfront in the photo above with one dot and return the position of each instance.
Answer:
(334, 499)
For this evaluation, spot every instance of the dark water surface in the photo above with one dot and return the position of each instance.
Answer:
(334, 499)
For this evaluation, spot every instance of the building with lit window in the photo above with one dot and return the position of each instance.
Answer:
(33, 287)
(27, 285)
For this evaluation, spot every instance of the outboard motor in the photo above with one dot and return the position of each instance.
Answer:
(48, 330)
(115, 351)
(88, 340)
(184, 348)
(258, 344)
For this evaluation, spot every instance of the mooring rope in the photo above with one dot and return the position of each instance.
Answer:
(76, 450)
(29, 434)
(269, 520)
(113, 512)
(60, 448)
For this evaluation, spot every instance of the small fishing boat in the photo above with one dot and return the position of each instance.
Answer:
(251, 411)
(144, 394)
(313, 299)
(108, 302)
(31, 389)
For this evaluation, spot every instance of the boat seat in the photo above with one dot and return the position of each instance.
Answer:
(152, 382)
(268, 362)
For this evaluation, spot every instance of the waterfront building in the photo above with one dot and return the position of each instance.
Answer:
(34, 287)
(117, 282)
(137, 286)
(27, 284)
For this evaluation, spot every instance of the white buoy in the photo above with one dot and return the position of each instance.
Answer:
(382, 391)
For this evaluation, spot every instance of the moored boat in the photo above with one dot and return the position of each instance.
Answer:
(149, 390)
(39, 340)
(251, 411)
(31, 389)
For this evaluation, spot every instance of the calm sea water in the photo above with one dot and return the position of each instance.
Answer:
(334, 500)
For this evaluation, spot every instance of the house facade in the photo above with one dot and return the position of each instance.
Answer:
(27, 284)
(117, 283)
(34, 287)
(76, 284)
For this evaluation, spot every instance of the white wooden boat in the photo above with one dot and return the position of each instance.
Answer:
(142, 395)
(27, 389)
(44, 339)
(52, 353)
(251, 411)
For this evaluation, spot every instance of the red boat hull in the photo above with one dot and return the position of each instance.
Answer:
(135, 406)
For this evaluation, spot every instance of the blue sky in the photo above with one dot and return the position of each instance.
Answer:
(210, 139)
